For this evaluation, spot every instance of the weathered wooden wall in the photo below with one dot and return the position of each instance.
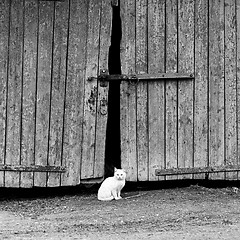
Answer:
(180, 124)
(50, 115)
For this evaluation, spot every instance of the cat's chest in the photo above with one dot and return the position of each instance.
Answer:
(112, 182)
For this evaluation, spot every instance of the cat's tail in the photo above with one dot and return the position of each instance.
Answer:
(106, 198)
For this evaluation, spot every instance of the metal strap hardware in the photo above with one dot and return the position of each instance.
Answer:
(104, 77)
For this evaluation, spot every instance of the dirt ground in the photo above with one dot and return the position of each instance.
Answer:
(193, 212)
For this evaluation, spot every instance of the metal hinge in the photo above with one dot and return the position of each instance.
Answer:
(104, 77)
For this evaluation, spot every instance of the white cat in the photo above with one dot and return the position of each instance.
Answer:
(111, 187)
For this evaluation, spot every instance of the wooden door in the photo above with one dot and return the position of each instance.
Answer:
(53, 119)
(179, 124)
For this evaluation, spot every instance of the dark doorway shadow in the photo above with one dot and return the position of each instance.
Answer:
(113, 151)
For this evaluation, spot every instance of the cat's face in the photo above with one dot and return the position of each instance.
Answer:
(120, 174)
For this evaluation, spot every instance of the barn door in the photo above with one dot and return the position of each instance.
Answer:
(152, 108)
(52, 110)
(173, 125)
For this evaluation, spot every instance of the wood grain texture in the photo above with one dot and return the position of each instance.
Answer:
(102, 104)
(44, 78)
(142, 91)
(238, 77)
(230, 87)
(14, 92)
(171, 86)
(91, 90)
(128, 92)
(201, 87)
(185, 88)
(216, 85)
(73, 118)
(156, 90)
(4, 38)
(58, 90)
(52, 118)
(29, 90)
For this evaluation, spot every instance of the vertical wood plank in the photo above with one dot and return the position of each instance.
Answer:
(58, 89)
(14, 92)
(142, 91)
(128, 91)
(46, 15)
(29, 89)
(91, 91)
(216, 87)
(73, 118)
(230, 87)
(171, 87)
(102, 105)
(156, 90)
(201, 87)
(238, 77)
(185, 88)
(4, 38)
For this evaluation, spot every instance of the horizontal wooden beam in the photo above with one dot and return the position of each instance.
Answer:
(195, 170)
(32, 168)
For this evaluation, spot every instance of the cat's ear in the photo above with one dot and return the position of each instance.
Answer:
(115, 169)
(124, 170)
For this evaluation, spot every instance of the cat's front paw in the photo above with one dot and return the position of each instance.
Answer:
(118, 198)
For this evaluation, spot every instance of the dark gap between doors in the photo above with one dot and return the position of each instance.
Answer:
(113, 150)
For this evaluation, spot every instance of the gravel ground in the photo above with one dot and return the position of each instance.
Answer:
(192, 212)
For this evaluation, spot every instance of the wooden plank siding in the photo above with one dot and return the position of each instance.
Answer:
(102, 103)
(14, 93)
(185, 88)
(95, 105)
(180, 124)
(230, 87)
(128, 92)
(53, 117)
(73, 108)
(4, 61)
(44, 80)
(238, 78)
(142, 91)
(29, 90)
(156, 102)
(91, 90)
(216, 85)
(49, 118)
(57, 95)
(201, 83)
(171, 87)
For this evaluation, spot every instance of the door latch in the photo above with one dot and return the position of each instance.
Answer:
(104, 77)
